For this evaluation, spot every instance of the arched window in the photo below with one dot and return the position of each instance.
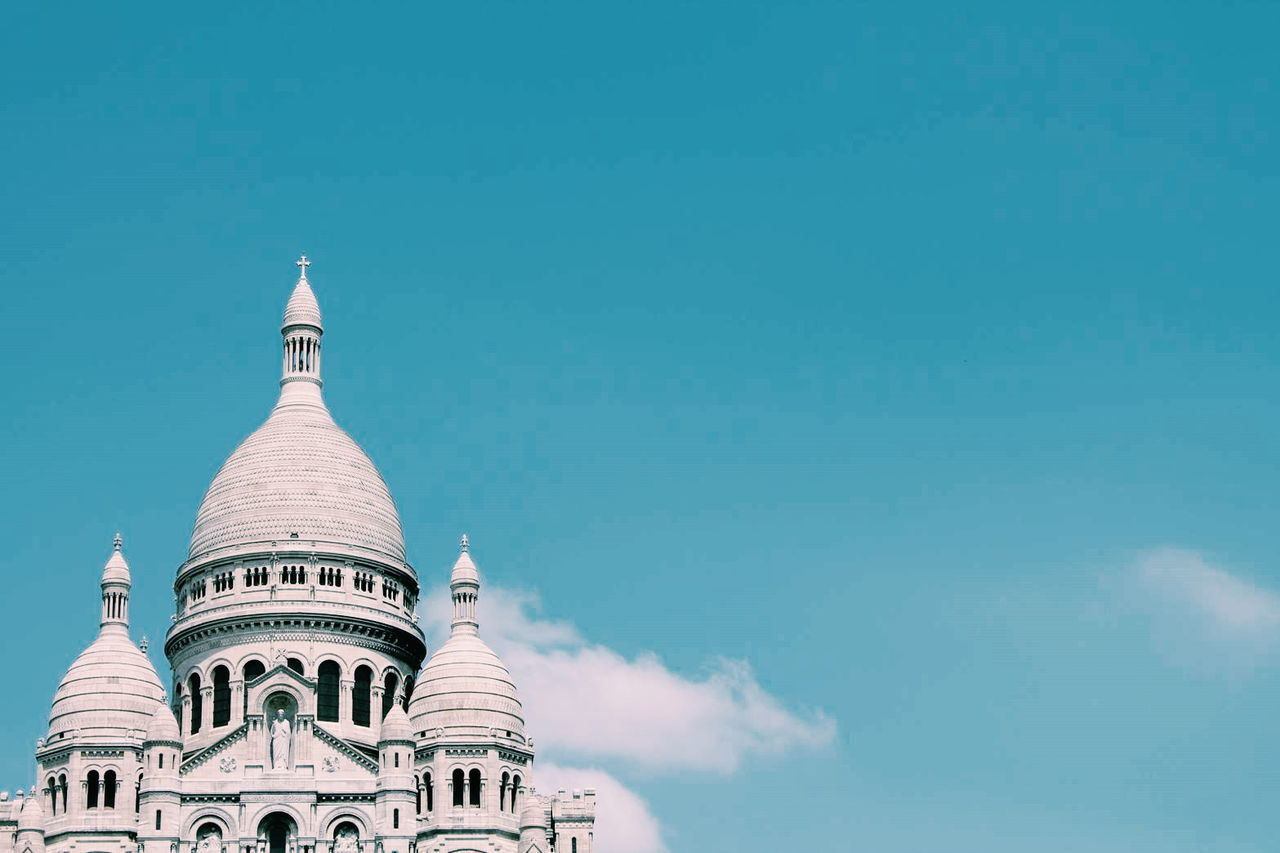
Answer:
(254, 669)
(395, 818)
(474, 786)
(389, 685)
(157, 818)
(327, 692)
(62, 787)
(515, 792)
(109, 789)
(53, 796)
(408, 691)
(502, 791)
(137, 795)
(459, 785)
(428, 788)
(362, 697)
(295, 665)
(221, 696)
(573, 845)
(91, 790)
(161, 758)
(197, 702)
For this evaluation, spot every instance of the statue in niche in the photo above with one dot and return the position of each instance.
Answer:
(281, 735)
(209, 840)
(346, 839)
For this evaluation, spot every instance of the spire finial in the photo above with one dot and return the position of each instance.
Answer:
(142, 646)
(466, 543)
(117, 542)
(302, 264)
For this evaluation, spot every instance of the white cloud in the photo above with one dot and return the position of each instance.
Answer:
(624, 823)
(1231, 606)
(590, 702)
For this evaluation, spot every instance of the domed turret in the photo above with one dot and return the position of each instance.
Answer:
(111, 688)
(32, 815)
(395, 726)
(163, 727)
(465, 689)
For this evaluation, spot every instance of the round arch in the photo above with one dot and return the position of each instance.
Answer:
(344, 815)
(210, 814)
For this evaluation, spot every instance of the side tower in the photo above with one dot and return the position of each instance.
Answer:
(473, 758)
(90, 763)
(294, 633)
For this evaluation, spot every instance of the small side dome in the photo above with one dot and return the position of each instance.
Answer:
(466, 690)
(32, 816)
(533, 815)
(395, 726)
(163, 727)
(111, 688)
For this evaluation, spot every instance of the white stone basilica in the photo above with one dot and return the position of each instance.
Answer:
(298, 720)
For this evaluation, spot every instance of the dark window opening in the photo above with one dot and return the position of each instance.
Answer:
(361, 698)
(197, 702)
(221, 696)
(327, 692)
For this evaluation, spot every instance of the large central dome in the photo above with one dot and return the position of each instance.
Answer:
(299, 476)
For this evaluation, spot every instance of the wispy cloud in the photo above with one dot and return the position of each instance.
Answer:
(589, 702)
(1230, 605)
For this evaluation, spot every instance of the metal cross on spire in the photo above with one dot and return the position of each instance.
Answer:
(117, 542)
(302, 264)
(466, 543)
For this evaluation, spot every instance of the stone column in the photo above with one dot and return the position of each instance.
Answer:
(302, 739)
(346, 710)
(186, 712)
(375, 711)
(237, 702)
(206, 708)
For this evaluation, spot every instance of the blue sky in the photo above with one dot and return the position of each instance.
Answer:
(895, 385)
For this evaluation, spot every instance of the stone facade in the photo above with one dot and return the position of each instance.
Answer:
(299, 717)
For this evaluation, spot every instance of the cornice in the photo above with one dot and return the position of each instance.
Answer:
(391, 640)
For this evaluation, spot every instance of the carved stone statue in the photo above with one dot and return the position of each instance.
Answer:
(346, 840)
(210, 841)
(281, 734)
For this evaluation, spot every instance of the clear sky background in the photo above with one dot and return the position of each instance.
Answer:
(874, 407)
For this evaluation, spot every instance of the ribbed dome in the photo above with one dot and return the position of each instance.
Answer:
(395, 725)
(302, 308)
(465, 688)
(111, 688)
(298, 476)
(163, 727)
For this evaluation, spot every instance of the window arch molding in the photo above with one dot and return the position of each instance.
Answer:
(254, 656)
(254, 821)
(210, 814)
(335, 819)
(210, 665)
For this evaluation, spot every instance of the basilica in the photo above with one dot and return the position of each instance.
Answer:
(299, 716)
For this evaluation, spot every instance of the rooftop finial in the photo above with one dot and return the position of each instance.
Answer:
(117, 542)
(303, 263)
(142, 646)
(466, 543)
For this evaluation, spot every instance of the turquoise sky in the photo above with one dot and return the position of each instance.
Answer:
(923, 358)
